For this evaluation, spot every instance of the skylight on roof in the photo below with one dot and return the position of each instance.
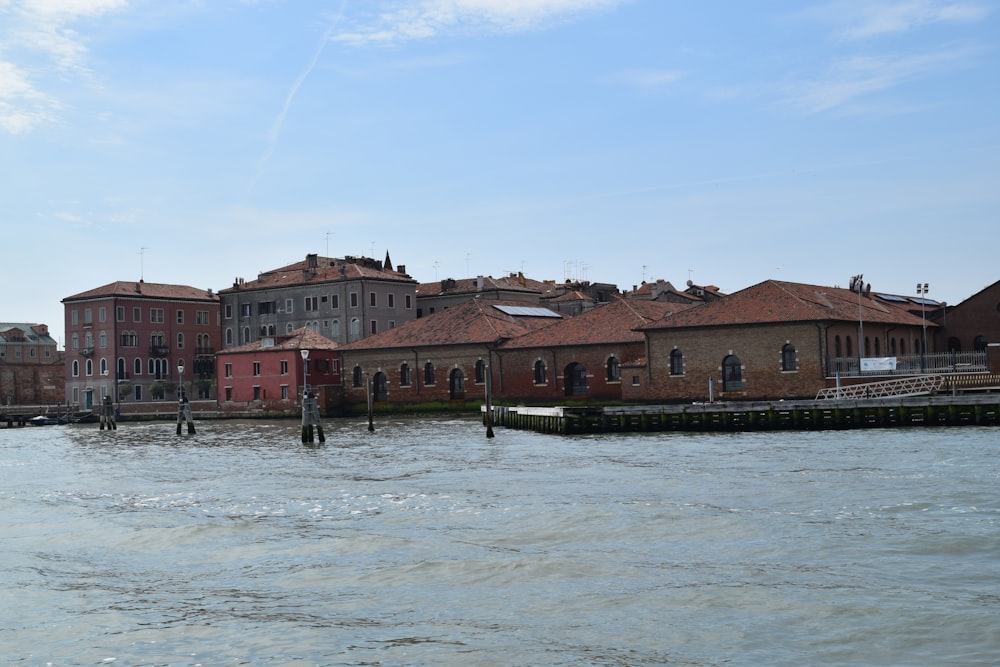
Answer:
(923, 302)
(527, 311)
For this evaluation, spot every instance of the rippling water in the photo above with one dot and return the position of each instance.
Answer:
(425, 543)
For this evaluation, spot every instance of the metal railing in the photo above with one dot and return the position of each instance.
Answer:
(908, 386)
(915, 364)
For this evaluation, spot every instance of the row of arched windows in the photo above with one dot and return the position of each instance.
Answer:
(731, 365)
(575, 376)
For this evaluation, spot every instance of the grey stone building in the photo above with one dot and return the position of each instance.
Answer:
(343, 299)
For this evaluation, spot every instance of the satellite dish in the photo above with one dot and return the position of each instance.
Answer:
(690, 283)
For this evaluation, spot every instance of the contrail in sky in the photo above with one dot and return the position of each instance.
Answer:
(272, 136)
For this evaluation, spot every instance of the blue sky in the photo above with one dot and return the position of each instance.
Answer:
(192, 142)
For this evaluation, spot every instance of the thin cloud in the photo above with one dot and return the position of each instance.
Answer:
(22, 106)
(645, 78)
(272, 137)
(33, 28)
(856, 77)
(861, 21)
(407, 21)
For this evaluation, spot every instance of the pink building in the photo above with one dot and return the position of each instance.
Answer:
(128, 339)
(267, 375)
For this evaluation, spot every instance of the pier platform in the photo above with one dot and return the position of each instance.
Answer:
(963, 410)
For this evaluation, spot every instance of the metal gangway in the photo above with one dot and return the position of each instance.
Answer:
(919, 385)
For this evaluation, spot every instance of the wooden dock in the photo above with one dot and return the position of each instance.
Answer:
(826, 414)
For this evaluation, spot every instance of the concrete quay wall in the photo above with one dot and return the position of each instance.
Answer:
(967, 410)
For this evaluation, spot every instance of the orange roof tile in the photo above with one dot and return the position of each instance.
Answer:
(614, 322)
(774, 301)
(320, 270)
(142, 289)
(299, 339)
(472, 322)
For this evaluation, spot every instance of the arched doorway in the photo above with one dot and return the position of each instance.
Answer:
(575, 379)
(380, 389)
(456, 384)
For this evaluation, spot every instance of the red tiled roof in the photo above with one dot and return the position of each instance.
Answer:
(323, 270)
(142, 289)
(774, 301)
(614, 322)
(299, 339)
(471, 285)
(475, 321)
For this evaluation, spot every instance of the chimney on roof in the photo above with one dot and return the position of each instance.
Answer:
(312, 261)
(479, 283)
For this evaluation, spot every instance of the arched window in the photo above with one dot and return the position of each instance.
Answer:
(614, 370)
(335, 329)
(429, 374)
(380, 388)
(76, 368)
(954, 345)
(355, 326)
(676, 362)
(104, 366)
(404, 375)
(229, 337)
(868, 346)
(456, 384)
(90, 366)
(980, 343)
(480, 371)
(788, 357)
(358, 376)
(850, 346)
(289, 328)
(902, 347)
(892, 347)
(137, 366)
(246, 335)
(732, 373)
(120, 368)
(102, 339)
(878, 347)
(837, 350)
(540, 377)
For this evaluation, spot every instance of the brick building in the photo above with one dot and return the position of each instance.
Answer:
(440, 357)
(127, 339)
(972, 324)
(267, 375)
(342, 299)
(578, 358)
(772, 340)
(31, 367)
(440, 295)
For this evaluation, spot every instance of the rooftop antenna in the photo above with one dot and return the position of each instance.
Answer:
(467, 256)
(142, 268)
(436, 265)
(328, 235)
(644, 267)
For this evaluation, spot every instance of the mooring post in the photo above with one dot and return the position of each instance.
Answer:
(489, 402)
(108, 414)
(371, 405)
(311, 426)
(184, 415)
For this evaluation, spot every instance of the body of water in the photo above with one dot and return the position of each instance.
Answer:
(425, 543)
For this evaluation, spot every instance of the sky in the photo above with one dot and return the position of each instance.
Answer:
(193, 142)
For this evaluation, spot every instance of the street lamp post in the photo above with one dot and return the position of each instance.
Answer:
(305, 374)
(922, 293)
(183, 406)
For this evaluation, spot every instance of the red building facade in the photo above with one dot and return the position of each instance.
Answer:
(267, 375)
(129, 340)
